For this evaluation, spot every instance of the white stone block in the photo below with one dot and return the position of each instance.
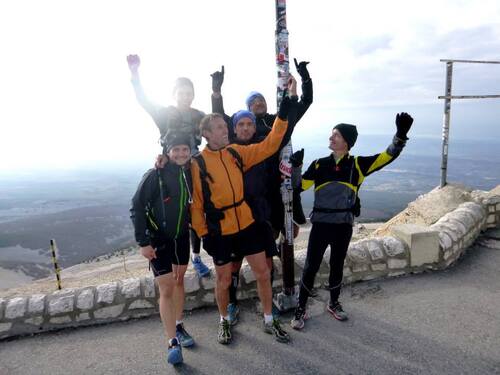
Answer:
(397, 263)
(300, 258)
(36, 321)
(209, 298)
(447, 254)
(131, 288)
(85, 300)
(422, 241)
(379, 267)
(360, 268)
(394, 247)
(247, 273)
(60, 319)
(491, 219)
(148, 286)
(106, 292)
(357, 253)
(16, 308)
(347, 271)
(4, 327)
(465, 217)
(109, 312)
(491, 208)
(475, 209)
(375, 250)
(191, 283)
(498, 207)
(141, 304)
(59, 305)
(208, 283)
(36, 304)
(83, 316)
(445, 241)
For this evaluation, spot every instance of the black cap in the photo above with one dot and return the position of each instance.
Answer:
(348, 132)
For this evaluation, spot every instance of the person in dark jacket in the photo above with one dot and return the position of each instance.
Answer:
(160, 214)
(257, 104)
(179, 119)
(337, 179)
(256, 192)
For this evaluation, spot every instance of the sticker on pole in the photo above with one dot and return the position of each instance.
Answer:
(285, 168)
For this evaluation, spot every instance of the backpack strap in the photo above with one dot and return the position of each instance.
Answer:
(237, 157)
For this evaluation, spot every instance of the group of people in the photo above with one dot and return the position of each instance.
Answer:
(229, 196)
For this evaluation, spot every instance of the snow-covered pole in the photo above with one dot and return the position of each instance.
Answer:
(285, 300)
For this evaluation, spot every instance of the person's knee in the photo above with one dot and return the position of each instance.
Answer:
(263, 275)
(166, 289)
(224, 281)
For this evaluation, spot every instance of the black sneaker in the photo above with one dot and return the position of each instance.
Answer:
(224, 337)
(274, 327)
(336, 310)
(299, 318)
(183, 336)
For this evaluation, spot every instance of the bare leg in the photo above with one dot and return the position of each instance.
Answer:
(167, 307)
(260, 269)
(222, 287)
(178, 294)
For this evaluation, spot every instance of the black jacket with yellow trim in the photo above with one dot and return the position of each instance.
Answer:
(336, 183)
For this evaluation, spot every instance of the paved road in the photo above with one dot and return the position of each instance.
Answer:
(435, 323)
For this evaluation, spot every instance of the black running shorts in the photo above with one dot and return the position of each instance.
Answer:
(170, 252)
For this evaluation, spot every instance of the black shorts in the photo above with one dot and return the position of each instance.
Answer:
(266, 236)
(170, 252)
(224, 249)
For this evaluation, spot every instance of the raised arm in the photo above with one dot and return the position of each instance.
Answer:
(366, 165)
(306, 98)
(134, 62)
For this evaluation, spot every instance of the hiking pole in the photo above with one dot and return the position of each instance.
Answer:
(286, 299)
(53, 248)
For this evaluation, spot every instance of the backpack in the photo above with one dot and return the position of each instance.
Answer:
(215, 215)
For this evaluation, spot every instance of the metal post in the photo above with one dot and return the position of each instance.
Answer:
(446, 122)
(57, 270)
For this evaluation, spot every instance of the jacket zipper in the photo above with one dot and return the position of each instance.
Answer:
(232, 189)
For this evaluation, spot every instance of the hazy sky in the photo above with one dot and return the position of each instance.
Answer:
(66, 98)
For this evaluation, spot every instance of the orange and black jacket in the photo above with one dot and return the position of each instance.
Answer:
(336, 183)
(226, 184)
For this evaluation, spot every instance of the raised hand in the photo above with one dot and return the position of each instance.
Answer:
(403, 125)
(302, 70)
(217, 79)
(133, 62)
(284, 106)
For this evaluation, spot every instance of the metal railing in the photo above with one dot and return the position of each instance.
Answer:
(447, 108)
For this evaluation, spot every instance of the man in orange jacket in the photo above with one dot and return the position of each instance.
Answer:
(222, 218)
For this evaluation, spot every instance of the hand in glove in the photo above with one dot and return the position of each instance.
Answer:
(297, 158)
(133, 62)
(217, 79)
(302, 70)
(403, 125)
(284, 106)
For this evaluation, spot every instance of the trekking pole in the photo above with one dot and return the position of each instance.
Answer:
(53, 248)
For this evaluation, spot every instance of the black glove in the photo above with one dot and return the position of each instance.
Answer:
(302, 70)
(403, 125)
(217, 79)
(284, 106)
(297, 158)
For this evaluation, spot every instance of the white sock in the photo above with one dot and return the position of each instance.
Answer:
(177, 322)
(268, 318)
(170, 341)
(224, 317)
(195, 256)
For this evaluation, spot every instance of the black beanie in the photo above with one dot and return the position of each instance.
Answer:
(349, 133)
(172, 140)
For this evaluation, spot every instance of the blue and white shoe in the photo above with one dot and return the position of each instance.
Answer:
(201, 269)
(233, 311)
(183, 336)
(174, 353)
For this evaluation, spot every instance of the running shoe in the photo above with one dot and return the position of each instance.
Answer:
(336, 310)
(183, 336)
(299, 318)
(274, 327)
(201, 269)
(224, 337)
(174, 353)
(233, 311)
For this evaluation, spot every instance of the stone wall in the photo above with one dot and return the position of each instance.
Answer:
(409, 249)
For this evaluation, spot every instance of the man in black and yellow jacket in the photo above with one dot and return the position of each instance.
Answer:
(160, 214)
(337, 179)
